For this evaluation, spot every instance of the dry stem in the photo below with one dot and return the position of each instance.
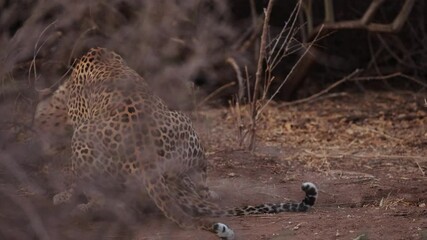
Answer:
(315, 96)
(236, 68)
(214, 93)
(258, 74)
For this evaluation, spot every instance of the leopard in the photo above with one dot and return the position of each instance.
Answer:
(122, 134)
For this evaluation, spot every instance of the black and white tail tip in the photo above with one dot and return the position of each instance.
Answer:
(310, 193)
(223, 231)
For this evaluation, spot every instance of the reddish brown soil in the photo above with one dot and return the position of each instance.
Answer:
(367, 154)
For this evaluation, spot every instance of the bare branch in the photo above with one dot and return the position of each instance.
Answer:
(312, 97)
(365, 21)
(307, 50)
(259, 71)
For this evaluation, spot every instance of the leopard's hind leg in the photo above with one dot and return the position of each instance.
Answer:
(162, 194)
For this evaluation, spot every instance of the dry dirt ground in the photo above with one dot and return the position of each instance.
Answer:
(366, 152)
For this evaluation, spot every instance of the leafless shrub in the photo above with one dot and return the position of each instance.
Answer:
(271, 53)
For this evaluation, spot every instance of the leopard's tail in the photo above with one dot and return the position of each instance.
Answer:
(310, 198)
(206, 208)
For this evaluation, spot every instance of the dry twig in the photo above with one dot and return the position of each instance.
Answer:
(214, 93)
(37, 48)
(317, 95)
(259, 71)
(421, 169)
(236, 68)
